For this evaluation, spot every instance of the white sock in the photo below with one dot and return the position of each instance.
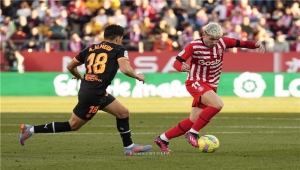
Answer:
(194, 131)
(31, 130)
(163, 137)
(127, 147)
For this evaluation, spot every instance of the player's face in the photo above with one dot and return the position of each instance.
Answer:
(209, 40)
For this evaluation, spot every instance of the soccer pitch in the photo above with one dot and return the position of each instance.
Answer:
(247, 141)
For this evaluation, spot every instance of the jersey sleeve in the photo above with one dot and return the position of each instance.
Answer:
(122, 52)
(187, 52)
(80, 57)
(229, 42)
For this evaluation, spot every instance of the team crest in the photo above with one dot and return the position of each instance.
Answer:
(220, 51)
(200, 88)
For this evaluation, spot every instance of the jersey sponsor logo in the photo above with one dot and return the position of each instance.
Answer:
(92, 77)
(209, 63)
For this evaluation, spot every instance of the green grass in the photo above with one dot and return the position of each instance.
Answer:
(247, 141)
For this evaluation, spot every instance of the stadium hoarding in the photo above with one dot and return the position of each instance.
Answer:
(150, 62)
(165, 85)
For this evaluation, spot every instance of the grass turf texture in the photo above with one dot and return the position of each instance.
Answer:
(247, 141)
(151, 105)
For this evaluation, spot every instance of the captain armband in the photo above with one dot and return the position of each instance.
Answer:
(180, 59)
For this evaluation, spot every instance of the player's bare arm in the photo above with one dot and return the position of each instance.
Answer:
(72, 67)
(125, 68)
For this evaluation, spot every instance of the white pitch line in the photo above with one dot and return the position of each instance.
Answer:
(172, 117)
(153, 133)
(161, 126)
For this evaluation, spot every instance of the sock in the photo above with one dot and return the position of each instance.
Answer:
(179, 129)
(163, 137)
(204, 118)
(123, 128)
(53, 127)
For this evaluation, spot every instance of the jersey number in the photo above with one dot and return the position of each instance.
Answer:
(97, 66)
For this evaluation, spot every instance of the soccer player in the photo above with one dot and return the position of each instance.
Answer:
(206, 55)
(102, 62)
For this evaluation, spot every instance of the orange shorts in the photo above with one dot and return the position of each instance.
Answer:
(197, 89)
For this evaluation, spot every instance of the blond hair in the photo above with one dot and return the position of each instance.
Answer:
(213, 29)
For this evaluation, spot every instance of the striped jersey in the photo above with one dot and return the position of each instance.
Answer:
(206, 63)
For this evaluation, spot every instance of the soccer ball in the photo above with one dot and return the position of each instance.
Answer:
(208, 143)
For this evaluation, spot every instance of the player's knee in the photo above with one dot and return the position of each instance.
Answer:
(219, 105)
(75, 128)
(123, 113)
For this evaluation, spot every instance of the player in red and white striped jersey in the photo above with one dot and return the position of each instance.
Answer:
(206, 55)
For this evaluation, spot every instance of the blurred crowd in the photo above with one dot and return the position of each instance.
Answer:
(156, 25)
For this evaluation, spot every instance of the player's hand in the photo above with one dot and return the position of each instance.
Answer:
(73, 78)
(260, 47)
(185, 67)
(141, 77)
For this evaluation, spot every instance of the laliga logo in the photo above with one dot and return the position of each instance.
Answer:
(249, 85)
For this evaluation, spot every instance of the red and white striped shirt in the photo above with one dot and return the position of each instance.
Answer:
(206, 63)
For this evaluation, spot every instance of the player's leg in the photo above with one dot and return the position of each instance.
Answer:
(180, 129)
(213, 105)
(86, 108)
(54, 127)
(114, 107)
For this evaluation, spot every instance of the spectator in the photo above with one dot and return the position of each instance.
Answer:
(160, 27)
(255, 15)
(279, 27)
(134, 37)
(33, 20)
(8, 9)
(244, 8)
(221, 10)
(294, 31)
(22, 22)
(287, 17)
(96, 27)
(237, 18)
(87, 33)
(146, 26)
(77, 14)
(295, 46)
(56, 31)
(145, 10)
(24, 9)
(56, 7)
(109, 11)
(76, 45)
(12, 56)
(170, 17)
(30, 45)
(192, 9)
(92, 7)
(8, 28)
(246, 26)
(158, 5)
(164, 44)
(18, 37)
(237, 33)
(209, 5)
(41, 9)
(120, 19)
(1, 17)
(281, 45)
(295, 8)
(101, 17)
(201, 19)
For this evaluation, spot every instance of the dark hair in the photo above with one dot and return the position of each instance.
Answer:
(113, 31)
